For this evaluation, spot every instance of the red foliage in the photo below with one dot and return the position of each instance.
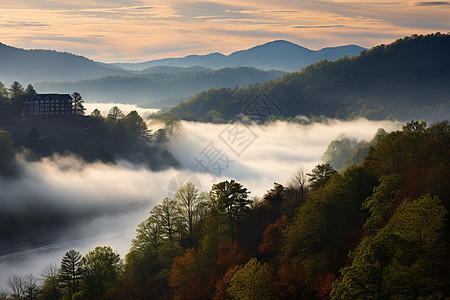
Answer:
(272, 236)
(230, 255)
(223, 284)
(324, 287)
(185, 277)
(127, 292)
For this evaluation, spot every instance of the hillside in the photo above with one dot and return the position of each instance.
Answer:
(279, 55)
(409, 78)
(160, 85)
(30, 66)
(92, 139)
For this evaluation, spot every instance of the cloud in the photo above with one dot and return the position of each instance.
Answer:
(136, 31)
(431, 3)
(62, 203)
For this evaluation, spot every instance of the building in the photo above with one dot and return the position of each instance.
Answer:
(47, 105)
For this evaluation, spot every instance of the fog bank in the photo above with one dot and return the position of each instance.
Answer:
(63, 203)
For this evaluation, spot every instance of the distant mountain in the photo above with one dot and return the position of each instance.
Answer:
(407, 79)
(154, 89)
(173, 70)
(277, 55)
(29, 66)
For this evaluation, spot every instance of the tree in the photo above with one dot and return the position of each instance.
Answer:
(232, 200)
(326, 226)
(382, 202)
(16, 90)
(16, 95)
(270, 244)
(103, 267)
(30, 91)
(253, 281)
(275, 196)
(135, 125)
(17, 285)
(51, 289)
(320, 175)
(298, 185)
(3, 295)
(185, 277)
(24, 287)
(115, 114)
(167, 216)
(71, 271)
(340, 151)
(96, 114)
(230, 255)
(78, 107)
(408, 258)
(3, 93)
(188, 200)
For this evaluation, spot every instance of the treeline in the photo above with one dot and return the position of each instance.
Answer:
(12, 98)
(406, 79)
(166, 87)
(376, 230)
(92, 138)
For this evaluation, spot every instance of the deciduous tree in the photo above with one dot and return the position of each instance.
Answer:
(103, 267)
(253, 281)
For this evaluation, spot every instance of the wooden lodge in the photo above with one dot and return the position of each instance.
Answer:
(47, 105)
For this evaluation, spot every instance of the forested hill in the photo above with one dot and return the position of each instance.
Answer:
(160, 85)
(38, 65)
(409, 78)
(278, 55)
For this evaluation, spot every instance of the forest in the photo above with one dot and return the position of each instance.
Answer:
(377, 229)
(404, 80)
(92, 138)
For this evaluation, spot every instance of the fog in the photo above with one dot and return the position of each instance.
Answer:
(126, 108)
(62, 203)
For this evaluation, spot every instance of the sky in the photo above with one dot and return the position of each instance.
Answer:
(141, 30)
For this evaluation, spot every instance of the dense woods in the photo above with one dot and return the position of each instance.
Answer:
(406, 79)
(377, 229)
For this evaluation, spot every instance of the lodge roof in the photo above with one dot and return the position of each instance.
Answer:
(39, 97)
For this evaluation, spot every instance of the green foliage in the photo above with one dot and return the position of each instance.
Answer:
(71, 271)
(251, 281)
(135, 125)
(381, 203)
(340, 152)
(189, 201)
(232, 200)
(3, 93)
(115, 114)
(325, 224)
(320, 175)
(102, 268)
(408, 258)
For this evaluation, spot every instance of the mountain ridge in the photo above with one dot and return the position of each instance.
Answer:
(278, 55)
(407, 79)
